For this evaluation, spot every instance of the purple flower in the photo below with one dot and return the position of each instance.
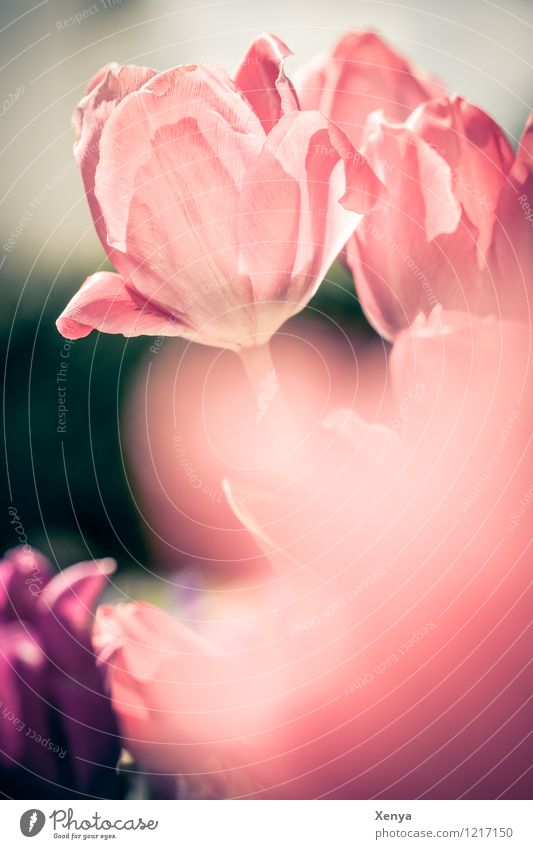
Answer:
(58, 737)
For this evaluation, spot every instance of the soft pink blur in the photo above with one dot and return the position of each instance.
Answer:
(218, 202)
(193, 418)
(387, 654)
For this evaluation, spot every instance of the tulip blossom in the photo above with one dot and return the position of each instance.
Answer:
(231, 707)
(361, 75)
(450, 227)
(57, 730)
(217, 201)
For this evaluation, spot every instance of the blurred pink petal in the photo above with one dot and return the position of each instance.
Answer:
(358, 433)
(23, 674)
(229, 723)
(175, 695)
(361, 75)
(432, 544)
(389, 648)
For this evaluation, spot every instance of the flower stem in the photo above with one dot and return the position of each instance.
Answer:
(257, 362)
(271, 405)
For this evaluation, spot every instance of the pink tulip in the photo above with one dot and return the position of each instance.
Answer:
(449, 220)
(183, 703)
(242, 710)
(216, 201)
(363, 74)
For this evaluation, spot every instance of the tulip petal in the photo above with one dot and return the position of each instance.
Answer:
(512, 250)
(262, 80)
(308, 156)
(23, 575)
(91, 736)
(167, 685)
(66, 609)
(107, 88)
(363, 74)
(23, 670)
(216, 114)
(414, 249)
(57, 730)
(206, 216)
(140, 631)
(476, 150)
(524, 155)
(268, 225)
(413, 169)
(106, 303)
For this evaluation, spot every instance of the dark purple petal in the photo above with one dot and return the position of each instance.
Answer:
(23, 711)
(24, 573)
(66, 611)
(90, 731)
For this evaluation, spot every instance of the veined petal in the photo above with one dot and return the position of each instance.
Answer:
(167, 684)
(415, 248)
(268, 225)
(315, 163)
(262, 80)
(168, 182)
(107, 88)
(510, 268)
(106, 303)
(205, 97)
(477, 151)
